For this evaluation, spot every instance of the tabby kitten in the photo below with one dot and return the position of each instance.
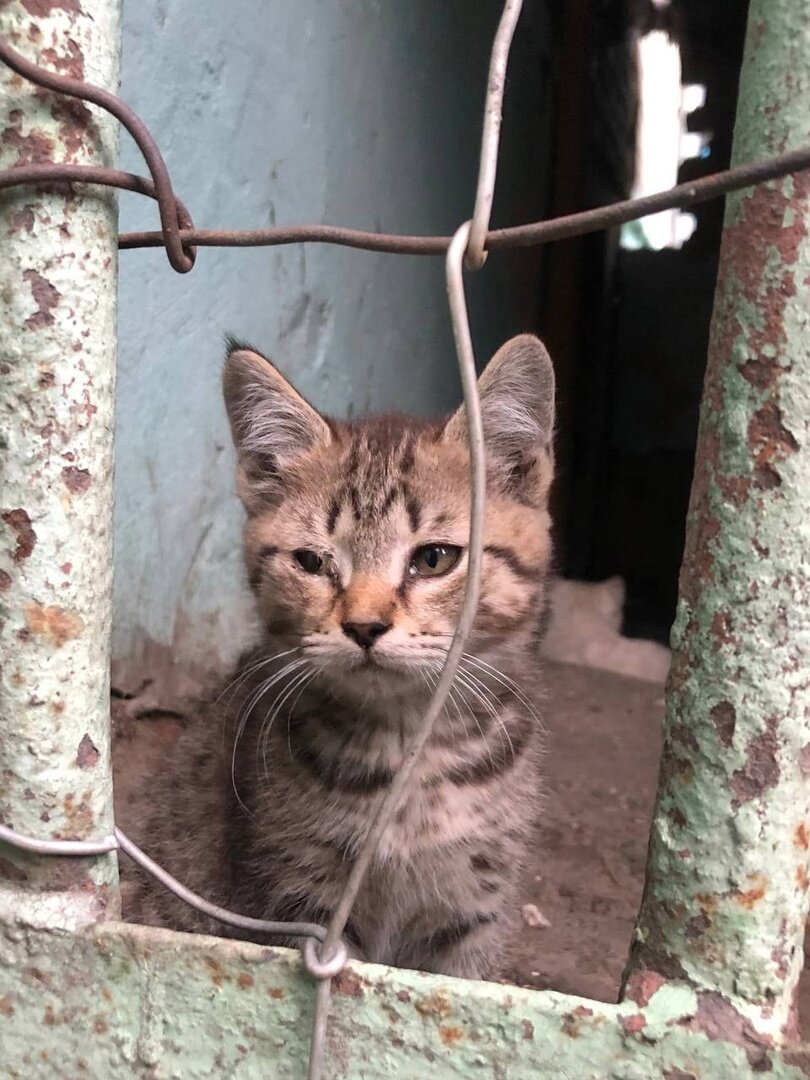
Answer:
(355, 549)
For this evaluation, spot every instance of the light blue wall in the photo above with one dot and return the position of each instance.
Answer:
(356, 112)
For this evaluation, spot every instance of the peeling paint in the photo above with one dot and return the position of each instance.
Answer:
(20, 524)
(59, 286)
(726, 900)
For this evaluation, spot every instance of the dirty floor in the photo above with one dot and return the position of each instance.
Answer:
(587, 870)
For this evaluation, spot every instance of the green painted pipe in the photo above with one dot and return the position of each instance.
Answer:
(726, 898)
(57, 375)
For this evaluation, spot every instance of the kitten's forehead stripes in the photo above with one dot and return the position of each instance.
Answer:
(381, 454)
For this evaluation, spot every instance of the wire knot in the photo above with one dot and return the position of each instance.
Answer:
(320, 968)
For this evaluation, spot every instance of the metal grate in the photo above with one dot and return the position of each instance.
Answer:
(324, 953)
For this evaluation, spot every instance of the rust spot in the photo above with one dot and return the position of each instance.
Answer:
(348, 982)
(75, 121)
(801, 877)
(761, 769)
(801, 837)
(697, 926)
(218, 976)
(632, 1025)
(436, 1004)
(66, 567)
(78, 814)
(32, 149)
(571, 1023)
(642, 986)
(244, 981)
(718, 1019)
(46, 379)
(49, 1018)
(87, 754)
(724, 718)
(20, 523)
(21, 219)
(53, 623)
(761, 372)
(721, 629)
(450, 1035)
(6, 1008)
(528, 1031)
(403, 996)
(100, 1025)
(750, 897)
(804, 759)
(276, 993)
(76, 480)
(678, 1074)
(46, 297)
(5, 581)
(72, 64)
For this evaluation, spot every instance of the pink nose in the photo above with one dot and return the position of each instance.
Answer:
(365, 633)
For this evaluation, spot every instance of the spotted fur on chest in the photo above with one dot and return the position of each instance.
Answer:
(355, 549)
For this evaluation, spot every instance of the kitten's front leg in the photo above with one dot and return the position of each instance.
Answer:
(468, 945)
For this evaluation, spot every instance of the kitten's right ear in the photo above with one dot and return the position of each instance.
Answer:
(271, 423)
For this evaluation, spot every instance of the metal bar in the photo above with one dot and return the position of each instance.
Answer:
(727, 887)
(136, 1003)
(57, 359)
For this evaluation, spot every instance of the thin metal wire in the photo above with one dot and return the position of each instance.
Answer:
(221, 914)
(181, 258)
(533, 233)
(57, 847)
(119, 841)
(476, 256)
(469, 606)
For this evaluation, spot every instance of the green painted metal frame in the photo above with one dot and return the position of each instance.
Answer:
(715, 963)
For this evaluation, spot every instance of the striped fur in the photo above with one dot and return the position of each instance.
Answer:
(267, 820)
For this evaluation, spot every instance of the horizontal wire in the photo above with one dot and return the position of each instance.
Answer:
(533, 233)
(119, 841)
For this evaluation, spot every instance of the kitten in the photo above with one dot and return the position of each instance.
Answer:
(355, 550)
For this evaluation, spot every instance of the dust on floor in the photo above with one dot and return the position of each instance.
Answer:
(586, 872)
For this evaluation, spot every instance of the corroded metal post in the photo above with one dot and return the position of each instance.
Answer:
(726, 897)
(57, 363)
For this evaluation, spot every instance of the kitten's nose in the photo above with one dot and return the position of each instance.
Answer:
(365, 633)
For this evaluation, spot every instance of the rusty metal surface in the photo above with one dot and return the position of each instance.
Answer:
(121, 1001)
(726, 898)
(57, 366)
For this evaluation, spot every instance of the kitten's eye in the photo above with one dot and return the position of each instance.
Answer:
(433, 560)
(309, 561)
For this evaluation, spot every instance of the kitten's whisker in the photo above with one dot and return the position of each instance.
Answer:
(505, 680)
(288, 669)
(472, 714)
(482, 692)
(490, 695)
(315, 671)
(248, 670)
(245, 711)
(299, 679)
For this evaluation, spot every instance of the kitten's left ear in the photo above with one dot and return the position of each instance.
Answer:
(517, 409)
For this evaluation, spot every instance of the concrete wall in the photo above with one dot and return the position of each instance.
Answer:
(363, 112)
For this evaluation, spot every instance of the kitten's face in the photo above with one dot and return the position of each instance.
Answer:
(357, 534)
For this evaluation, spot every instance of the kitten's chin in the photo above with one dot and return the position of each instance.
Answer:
(376, 674)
